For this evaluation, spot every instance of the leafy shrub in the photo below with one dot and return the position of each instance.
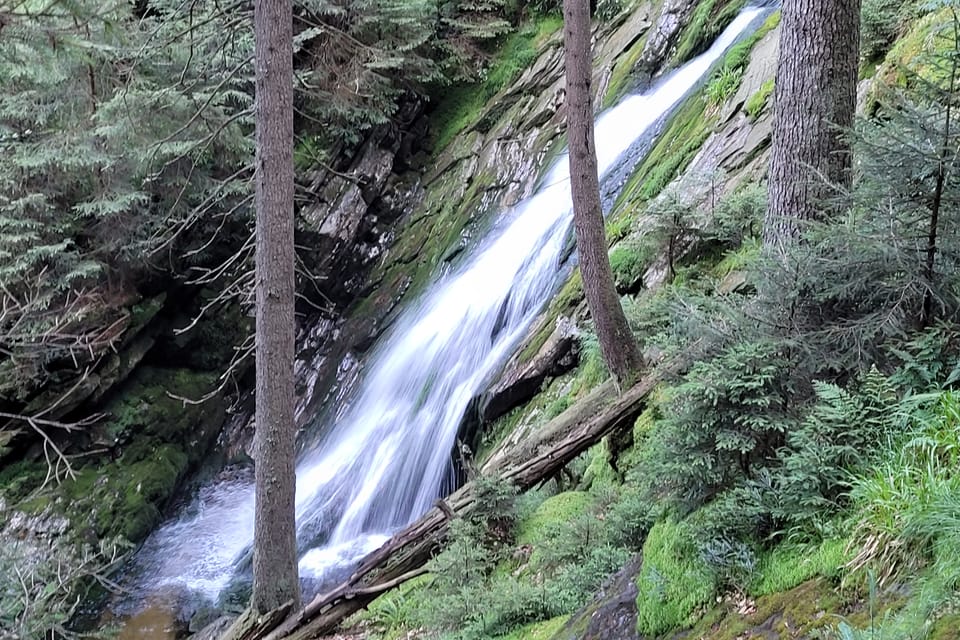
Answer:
(726, 418)
(835, 439)
(459, 573)
(927, 360)
(879, 21)
(739, 216)
(732, 561)
(629, 519)
(40, 583)
(577, 581)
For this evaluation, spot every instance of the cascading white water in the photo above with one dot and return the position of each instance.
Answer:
(386, 459)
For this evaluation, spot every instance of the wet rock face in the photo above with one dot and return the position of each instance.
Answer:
(348, 223)
(613, 614)
(523, 379)
(673, 17)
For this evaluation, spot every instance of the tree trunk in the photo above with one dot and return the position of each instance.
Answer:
(620, 349)
(815, 101)
(275, 580)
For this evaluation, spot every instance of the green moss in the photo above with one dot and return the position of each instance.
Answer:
(758, 101)
(557, 406)
(532, 348)
(644, 423)
(561, 508)
(787, 566)
(592, 370)
(685, 133)
(694, 39)
(622, 70)
(146, 310)
(462, 104)
(148, 484)
(460, 107)
(946, 628)
(599, 472)
(154, 439)
(674, 584)
(739, 54)
(912, 57)
(628, 260)
(619, 224)
(18, 479)
(570, 294)
(519, 52)
(803, 612)
(708, 20)
(148, 405)
(538, 630)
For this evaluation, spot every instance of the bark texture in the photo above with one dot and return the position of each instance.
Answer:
(275, 580)
(815, 101)
(620, 349)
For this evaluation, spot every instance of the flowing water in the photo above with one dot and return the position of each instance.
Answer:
(387, 457)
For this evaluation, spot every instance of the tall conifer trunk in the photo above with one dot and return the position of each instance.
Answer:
(275, 579)
(620, 350)
(815, 100)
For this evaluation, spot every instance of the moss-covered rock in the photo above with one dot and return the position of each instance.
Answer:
(709, 19)
(152, 436)
(674, 585)
(811, 608)
(757, 102)
(613, 613)
(537, 630)
(913, 58)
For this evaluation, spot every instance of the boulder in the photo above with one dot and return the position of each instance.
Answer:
(613, 613)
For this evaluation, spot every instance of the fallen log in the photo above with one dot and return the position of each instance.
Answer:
(525, 464)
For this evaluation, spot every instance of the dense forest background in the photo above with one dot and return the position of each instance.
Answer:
(798, 477)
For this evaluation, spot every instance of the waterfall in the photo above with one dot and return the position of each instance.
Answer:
(386, 459)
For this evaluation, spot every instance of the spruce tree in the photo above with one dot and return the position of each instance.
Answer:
(815, 100)
(275, 580)
(620, 349)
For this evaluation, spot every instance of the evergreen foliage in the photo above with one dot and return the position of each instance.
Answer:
(126, 147)
(107, 156)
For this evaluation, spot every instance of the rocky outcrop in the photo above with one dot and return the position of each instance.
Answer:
(493, 164)
(348, 223)
(738, 145)
(674, 15)
(613, 613)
